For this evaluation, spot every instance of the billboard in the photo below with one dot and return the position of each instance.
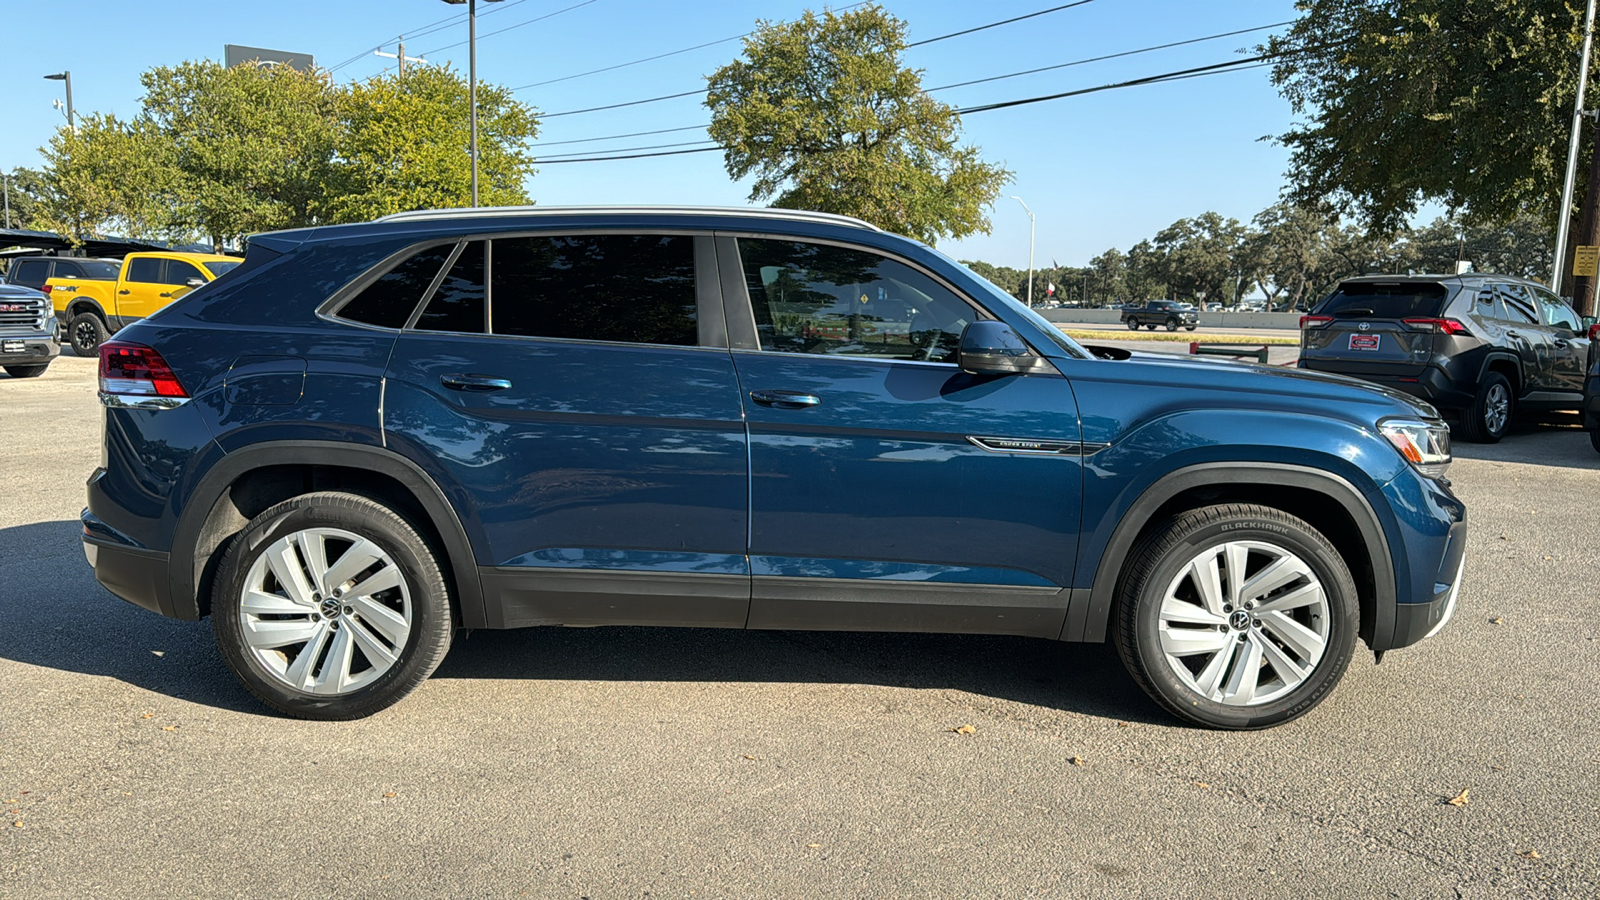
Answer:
(237, 54)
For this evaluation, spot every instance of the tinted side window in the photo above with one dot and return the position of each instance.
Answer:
(100, 270)
(460, 303)
(1485, 306)
(388, 302)
(67, 270)
(179, 272)
(31, 272)
(813, 298)
(1517, 304)
(633, 288)
(145, 269)
(1556, 313)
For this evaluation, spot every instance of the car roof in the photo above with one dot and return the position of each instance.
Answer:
(1463, 278)
(490, 212)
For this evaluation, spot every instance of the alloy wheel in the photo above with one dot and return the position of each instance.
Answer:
(1497, 408)
(325, 611)
(1244, 623)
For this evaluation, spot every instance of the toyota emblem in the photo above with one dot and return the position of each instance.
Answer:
(1365, 326)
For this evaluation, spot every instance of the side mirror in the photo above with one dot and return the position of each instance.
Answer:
(195, 282)
(992, 348)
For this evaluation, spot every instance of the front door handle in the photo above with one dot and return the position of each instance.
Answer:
(1562, 343)
(479, 384)
(166, 294)
(785, 399)
(124, 292)
(1513, 334)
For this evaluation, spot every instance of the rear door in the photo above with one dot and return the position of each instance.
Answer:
(1527, 334)
(1368, 335)
(576, 392)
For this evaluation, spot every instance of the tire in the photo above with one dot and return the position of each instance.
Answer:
(26, 371)
(1133, 324)
(88, 332)
(1594, 438)
(1151, 327)
(1172, 324)
(1305, 647)
(365, 637)
(1189, 327)
(1489, 417)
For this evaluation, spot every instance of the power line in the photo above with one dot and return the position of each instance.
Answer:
(1095, 59)
(554, 156)
(613, 137)
(1255, 62)
(510, 27)
(999, 23)
(573, 112)
(425, 30)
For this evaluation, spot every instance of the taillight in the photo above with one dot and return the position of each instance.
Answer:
(134, 370)
(1314, 321)
(1594, 332)
(45, 288)
(1438, 326)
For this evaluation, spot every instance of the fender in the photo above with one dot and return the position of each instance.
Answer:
(185, 569)
(1512, 358)
(1087, 616)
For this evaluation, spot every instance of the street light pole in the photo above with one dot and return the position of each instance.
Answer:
(67, 77)
(472, 84)
(1031, 223)
(1563, 219)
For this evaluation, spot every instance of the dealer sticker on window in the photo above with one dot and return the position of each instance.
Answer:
(1365, 341)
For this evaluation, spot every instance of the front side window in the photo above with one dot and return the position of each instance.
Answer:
(637, 289)
(1556, 313)
(219, 269)
(816, 298)
(145, 270)
(180, 272)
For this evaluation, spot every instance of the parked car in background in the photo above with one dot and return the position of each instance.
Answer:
(1481, 346)
(1169, 313)
(29, 334)
(368, 436)
(1591, 399)
(145, 282)
(34, 271)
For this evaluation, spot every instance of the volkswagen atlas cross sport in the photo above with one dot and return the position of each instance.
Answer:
(369, 437)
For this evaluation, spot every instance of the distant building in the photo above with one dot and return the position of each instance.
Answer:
(238, 54)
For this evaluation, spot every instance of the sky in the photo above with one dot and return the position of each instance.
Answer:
(1102, 170)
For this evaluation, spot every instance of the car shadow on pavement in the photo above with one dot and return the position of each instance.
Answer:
(58, 617)
(1548, 440)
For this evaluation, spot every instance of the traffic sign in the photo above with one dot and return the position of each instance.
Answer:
(1586, 261)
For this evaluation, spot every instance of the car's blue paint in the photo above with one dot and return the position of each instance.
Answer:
(604, 456)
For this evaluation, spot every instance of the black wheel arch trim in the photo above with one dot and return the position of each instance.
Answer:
(1090, 612)
(185, 572)
(1498, 355)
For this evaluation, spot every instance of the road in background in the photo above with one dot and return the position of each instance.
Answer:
(612, 762)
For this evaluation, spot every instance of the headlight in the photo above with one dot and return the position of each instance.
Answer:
(1426, 445)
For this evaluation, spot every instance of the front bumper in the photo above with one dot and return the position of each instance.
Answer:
(36, 348)
(1415, 622)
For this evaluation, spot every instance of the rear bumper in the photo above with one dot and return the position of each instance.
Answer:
(1432, 384)
(135, 574)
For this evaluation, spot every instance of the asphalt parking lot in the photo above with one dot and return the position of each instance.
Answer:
(653, 762)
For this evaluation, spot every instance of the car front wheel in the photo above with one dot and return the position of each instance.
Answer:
(1172, 324)
(331, 606)
(1133, 324)
(1237, 616)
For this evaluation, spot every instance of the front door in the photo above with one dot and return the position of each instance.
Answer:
(889, 489)
(591, 435)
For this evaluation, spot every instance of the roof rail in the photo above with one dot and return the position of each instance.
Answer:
(750, 211)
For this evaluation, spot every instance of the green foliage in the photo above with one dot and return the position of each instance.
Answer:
(1464, 102)
(403, 145)
(220, 153)
(26, 189)
(824, 116)
(1199, 258)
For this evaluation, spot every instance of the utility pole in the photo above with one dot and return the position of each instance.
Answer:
(5, 183)
(1583, 294)
(401, 57)
(1030, 247)
(1564, 216)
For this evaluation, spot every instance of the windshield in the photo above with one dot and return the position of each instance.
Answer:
(1056, 335)
(219, 269)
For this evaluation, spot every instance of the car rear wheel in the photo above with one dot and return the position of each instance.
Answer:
(331, 606)
(1594, 439)
(88, 333)
(1237, 616)
(26, 371)
(1489, 417)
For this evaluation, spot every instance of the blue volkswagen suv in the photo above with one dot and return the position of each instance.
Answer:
(369, 437)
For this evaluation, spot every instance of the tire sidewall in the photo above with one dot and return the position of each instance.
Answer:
(1343, 610)
(429, 610)
(100, 333)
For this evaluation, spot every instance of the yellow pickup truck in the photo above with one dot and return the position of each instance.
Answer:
(92, 311)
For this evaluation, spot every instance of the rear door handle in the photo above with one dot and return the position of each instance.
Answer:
(479, 384)
(1562, 343)
(785, 399)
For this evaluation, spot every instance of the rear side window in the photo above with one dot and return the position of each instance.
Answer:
(460, 303)
(68, 270)
(31, 272)
(1385, 300)
(1517, 304)
(98, 270)
(389, 301)
(637, 289)
(145, 269)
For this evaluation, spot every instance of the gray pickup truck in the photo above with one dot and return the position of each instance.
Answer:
(1161, 312)
(30, 338)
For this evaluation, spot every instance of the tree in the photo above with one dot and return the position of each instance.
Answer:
(1109, 271)
(824, 116)
(1287, 250)
(1196, 257)
(1146, 273)
(403, 145)
(26, 191)
(1463, 102)
(105, 176)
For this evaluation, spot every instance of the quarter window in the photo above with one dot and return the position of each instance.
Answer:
(637, 289)
(816, 298)
(1485, 306)
(389, 301)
